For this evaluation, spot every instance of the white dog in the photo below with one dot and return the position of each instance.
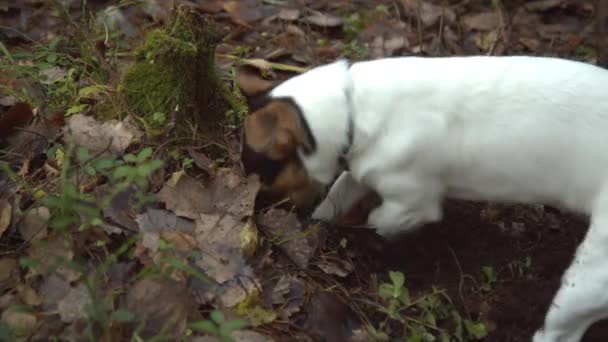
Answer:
(416, 130)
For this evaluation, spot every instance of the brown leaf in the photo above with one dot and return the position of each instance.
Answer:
(429, 13)
(324, 20)
(158, 304)
(28, 295)
(71, 308)
(186, 197)
(9, 273)
(6, 214)
(244, 12)
(35, 223)
(202, 161)
(52, 290)
(542, 5)
(330, 318)
(20, 322)
(289, 14)
(250, 81)
(113, 135)
(334, 266)
(287, 231)
(484, 21)
(157, 220)
(17, 116)
(289, 293)
(53, 254)
(181, 241)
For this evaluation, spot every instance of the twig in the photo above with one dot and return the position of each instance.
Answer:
(461, 280)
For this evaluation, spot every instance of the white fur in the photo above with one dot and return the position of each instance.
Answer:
(509, 129)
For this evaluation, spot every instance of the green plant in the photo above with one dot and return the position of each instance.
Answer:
(430, 317)
(218, 326)
(488, 278)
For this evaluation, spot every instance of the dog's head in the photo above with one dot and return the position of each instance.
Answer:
(274, 134)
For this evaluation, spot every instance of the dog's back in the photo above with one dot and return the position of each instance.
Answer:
(523, 129)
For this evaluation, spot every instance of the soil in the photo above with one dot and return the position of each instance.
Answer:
(451, 253)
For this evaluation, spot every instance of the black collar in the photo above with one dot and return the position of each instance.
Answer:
(350, 133)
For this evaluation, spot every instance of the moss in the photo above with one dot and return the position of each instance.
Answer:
(174, 73)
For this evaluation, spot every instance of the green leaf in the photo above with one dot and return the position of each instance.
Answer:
(397, 278)
(235, 324)
(123, 171)
(207, 326)
(122, 316)
(90, 90)
(385, 291)
(217, 316)
(51, 58)
(103, 164)
(82, 154)
(130, 157)
(75, 109)
(475, 329)
(144, 154)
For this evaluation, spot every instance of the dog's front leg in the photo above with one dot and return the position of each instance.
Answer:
(344, 193)
(406, 205)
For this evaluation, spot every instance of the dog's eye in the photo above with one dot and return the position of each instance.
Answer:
(258, 163)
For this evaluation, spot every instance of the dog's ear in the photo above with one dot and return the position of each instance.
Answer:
(277, 130)
(253, 86)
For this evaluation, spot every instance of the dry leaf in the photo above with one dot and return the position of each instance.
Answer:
(328, 317)
(52, 255)
(120, 211)
(35, 224)
(71, 308)
(157, 220)
(289, 293)
(8, 273)
(52, 290)
(324, 20)
(186, 197)
(287, 231)
(338, 267)
(429, 13)
(28, 295)
(202, 161)
(542, 5)
(113, 135)
(289, 14)
(160, 303)
(484, 21)
(243, 12)
(21, 323)
(6, 213)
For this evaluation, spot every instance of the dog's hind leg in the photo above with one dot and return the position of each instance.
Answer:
(582, 298)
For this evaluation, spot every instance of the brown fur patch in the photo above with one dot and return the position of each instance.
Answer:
(273, 134)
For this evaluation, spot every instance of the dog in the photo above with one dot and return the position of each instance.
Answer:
(416, 130)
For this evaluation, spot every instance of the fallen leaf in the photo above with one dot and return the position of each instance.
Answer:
(236, 290)
(6, 213)
(202, 161)
(287, 233)
(28, 295)
(289, 293)
(52, 290)
(111, 137)
(324, 20)
(251, 82)
(329, 318)
(186, 197)
(429, 13)
(71, 308)
(160, 304)
(21, 323)
(52, 75)
(289, 14)
(120, 211)
(243, 12)
(157, 220)
(335, 266)
(542, 5)
(17, 116)
(35, 224)
(9, 272)
(250, 336)
(53, 254)
(484, 21)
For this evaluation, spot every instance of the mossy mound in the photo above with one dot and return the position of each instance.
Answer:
(174, 78)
